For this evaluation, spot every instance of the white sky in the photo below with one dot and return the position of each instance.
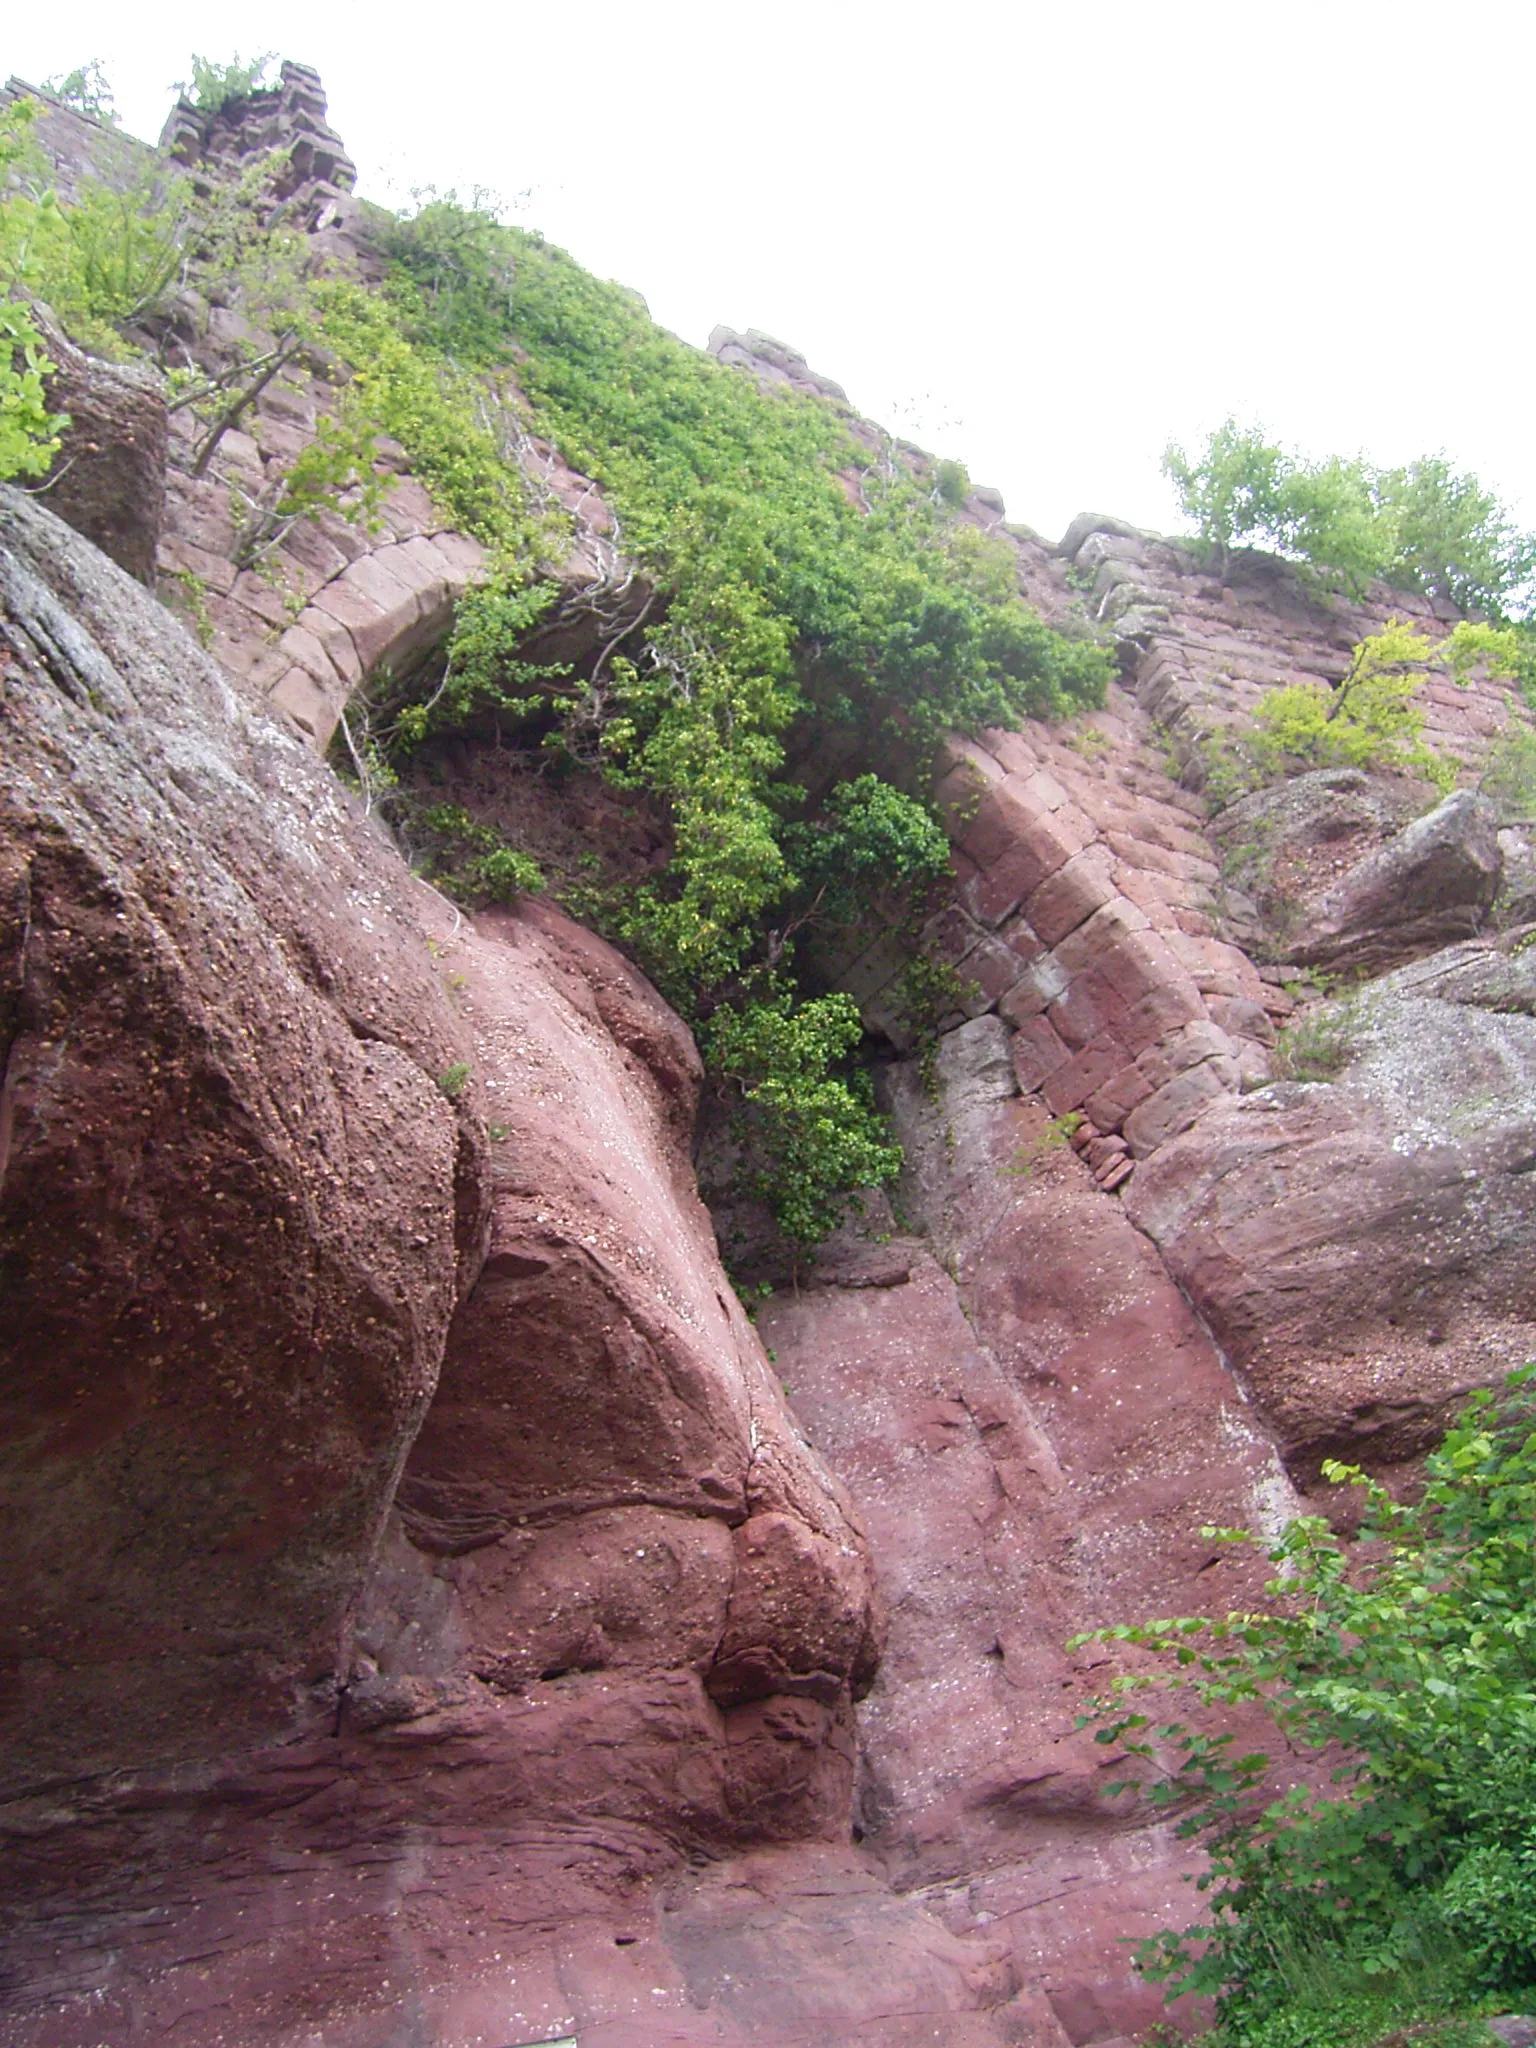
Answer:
(1041, 237)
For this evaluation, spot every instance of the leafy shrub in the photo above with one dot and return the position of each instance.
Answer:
(460, 267)
(29, 433)
(104, 260)
(810, 1132)
(127, 248)
(1509, 773)
(1412, 1655)
(1424, 528)
(1368, 720)
(480, 864)
(213, 86)
(430, 407)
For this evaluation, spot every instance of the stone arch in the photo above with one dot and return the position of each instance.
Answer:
(389, 608)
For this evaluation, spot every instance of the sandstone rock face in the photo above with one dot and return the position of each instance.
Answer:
(1199, 649)
(466, 1638)
(290, 116)
(78, 145)
(255, 1231)
(1430, 885)
(1283, 848)
(1355, 873)
(1033, 1445)
(238, 1211)
(1086, 918)
(1362, 1247)
(109, 479)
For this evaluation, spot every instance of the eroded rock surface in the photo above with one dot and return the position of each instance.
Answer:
(293, 1154)
(1362, 1244)
(238, 1210)
(108, 480)
(467, 1635)
(1034, 1439)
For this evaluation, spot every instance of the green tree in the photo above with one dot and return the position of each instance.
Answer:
(1233, 492)
(1411, 1655)
(1454, 540)
(86, 88)
(1425, 528)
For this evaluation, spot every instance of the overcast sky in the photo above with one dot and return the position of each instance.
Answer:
(1042, 238)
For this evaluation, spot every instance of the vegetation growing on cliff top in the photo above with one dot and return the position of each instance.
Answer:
(1406, 1886)
(805, 585)
(1425, 528)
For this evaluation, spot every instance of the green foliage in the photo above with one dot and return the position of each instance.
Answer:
(213, 86)
(1233, 492)
(126, 248)
(811, 1132)
(1318, 1046)
(479, 864)
(1454, 540)
(456, 271)
(1412, 1656)
(485, 670)
(951, 481)
(29, 433)
(1369, 720)
(87, 90)
(104, 260)
(430, 407)
(1401, 2015)
(781, 608)
(192, 592)
(1424, 528)
(454, 1080)
(868, 836)
(1509, 773)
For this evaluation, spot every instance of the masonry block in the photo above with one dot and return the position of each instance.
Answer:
(306, 703)
(1124, 1091)
(1038, 987)
(1107, 928)
(1174, 1107)
(1037, 1053)
(992, 968)
(949, 935)
(1183, 1049)
(1071, 1085)
(1078, 888)
(1138, 966)
(1087, 1007)
(1010, 750)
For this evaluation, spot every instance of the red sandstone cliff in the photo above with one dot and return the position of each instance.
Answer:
(432, 1616)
